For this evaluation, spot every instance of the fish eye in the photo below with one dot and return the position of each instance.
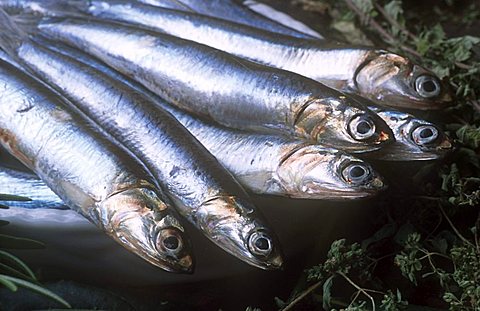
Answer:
(260, 244)
(361, 127)
(356, 173)
(170, 240)
(424, 134)
(427, 86)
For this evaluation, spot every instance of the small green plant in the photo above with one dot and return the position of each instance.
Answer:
(14, 273)
(429, 237)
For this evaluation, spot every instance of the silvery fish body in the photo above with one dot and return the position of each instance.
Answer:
(267, 164)
(386, 78)
(30, 186)
(278, 165)
(229, 90)
(203, 191)
(229, 10)
(89, 173)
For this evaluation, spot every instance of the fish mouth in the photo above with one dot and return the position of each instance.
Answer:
(407, 101)
(149, 250)
(344, 194)
(140, 221)
(184, 265)
(405, 152)
(230, 224)
(392, 80)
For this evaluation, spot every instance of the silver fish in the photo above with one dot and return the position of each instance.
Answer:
(230, 10)
(27, 185)
(415, 139)
(204, 192)
(88, 172)
(229, 90)
(267, 164)
(386, 78)
(281, 166)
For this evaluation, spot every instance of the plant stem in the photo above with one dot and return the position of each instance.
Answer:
(301, 296)
(307, 292)
(453, 227)
(429, 254)
(359, 289)
(393, 21)
(378, 28)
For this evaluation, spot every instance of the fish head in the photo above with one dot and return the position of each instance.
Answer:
(393, 80)
(316, 172)
(142, 223)
(341, 122)
(236, 228)
(416, 139)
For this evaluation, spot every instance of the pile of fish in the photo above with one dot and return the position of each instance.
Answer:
(138, 115)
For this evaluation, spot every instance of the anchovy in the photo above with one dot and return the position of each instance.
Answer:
(204, 191)
(229, 90)
(88, 172)
(28, 185)
(405, 148)
(230, 10)
(386, 78)
(266, 164)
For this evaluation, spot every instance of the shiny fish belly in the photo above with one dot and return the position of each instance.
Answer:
(90, 174)
(191, 175)
(205, 81)
(267, 164)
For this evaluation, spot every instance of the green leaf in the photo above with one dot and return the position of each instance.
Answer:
(459, 49)
(395, 11)
(469, 136)
(11, 242)
(366, 6)
(11, 197)
(8, 284)
(403, 233)
(327, 292)
(440, 245)
(36, 288)
(279, 302)
(18, 262)
(430, 39)
(386, 231)
(13, 272)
